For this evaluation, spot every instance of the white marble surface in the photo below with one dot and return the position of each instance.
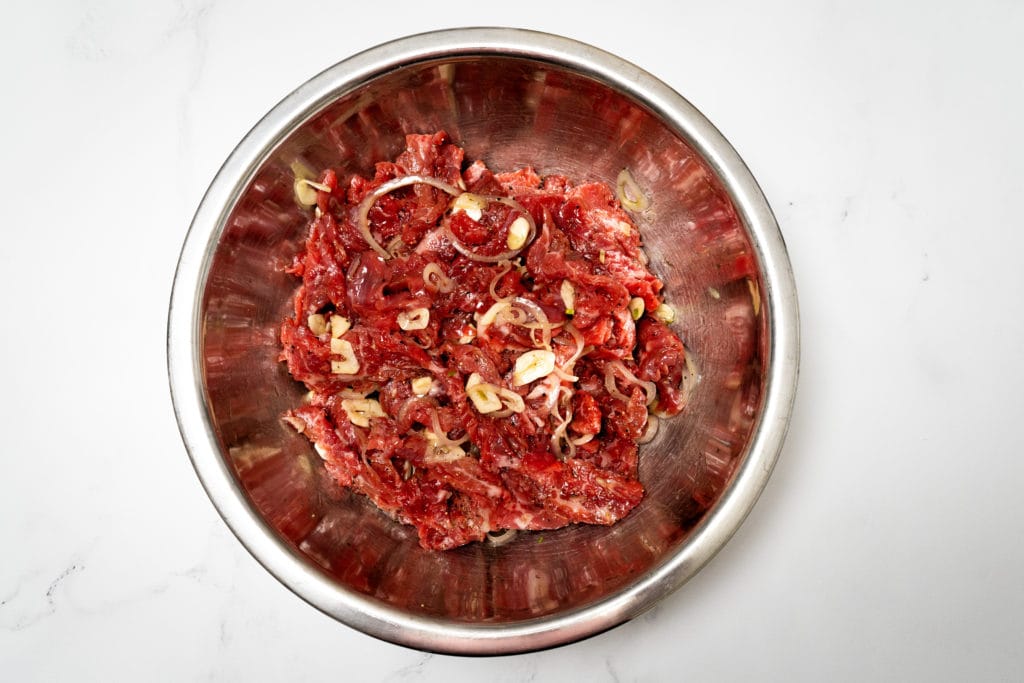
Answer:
(888, 544)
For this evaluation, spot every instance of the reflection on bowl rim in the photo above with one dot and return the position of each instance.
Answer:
(363, 612)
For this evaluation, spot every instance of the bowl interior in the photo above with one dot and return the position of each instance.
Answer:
(510, 112)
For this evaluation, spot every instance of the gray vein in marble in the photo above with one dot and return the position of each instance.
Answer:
(611, 671)
(50, 606)
(412, 671)
(226, 630)
(20, 610)
(10, 597)
(56, 582)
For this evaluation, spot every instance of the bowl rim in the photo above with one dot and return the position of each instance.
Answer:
(362, 612)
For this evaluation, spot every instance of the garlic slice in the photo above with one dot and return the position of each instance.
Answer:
(636, 307)
(483, 395)
(415, 319)
(568, 292)
(339, 325)
(472, 204)
(533, 365)
(511, 400)
(304, 194)
(421, 385)
(361, 410)
(517, 233)
(665, 313)
(629, 193)
(437, 453)
(306, 191)
(317, 324)
(348, 364)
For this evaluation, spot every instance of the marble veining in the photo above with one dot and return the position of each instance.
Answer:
(413, 671)
(32, 609)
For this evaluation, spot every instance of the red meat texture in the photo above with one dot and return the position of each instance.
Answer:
(440, 421)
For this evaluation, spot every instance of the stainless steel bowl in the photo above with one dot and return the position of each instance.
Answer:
(511, 98)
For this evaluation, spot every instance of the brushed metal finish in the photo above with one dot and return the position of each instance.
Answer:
(512, 98)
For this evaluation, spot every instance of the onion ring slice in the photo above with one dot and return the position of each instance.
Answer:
(362, 220)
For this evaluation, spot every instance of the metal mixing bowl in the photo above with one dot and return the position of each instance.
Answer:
(511, 98)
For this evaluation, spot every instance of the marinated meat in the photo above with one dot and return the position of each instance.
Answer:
(475, 345)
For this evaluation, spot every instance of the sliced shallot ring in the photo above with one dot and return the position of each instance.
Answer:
(435, 279)
(616, 366)
(649, 387)
(559, 434)
(362, 220)
(650, 431)
(563, 375)
(500, 538)
(540, 326)
(442, 436)
(506, 255)
(540, 316)
(511, 399)
(484, 322)
(505, 267)
(564, 372)
(549, 389)
(515, 316)
(393, 246)
(609, 384)
(586, 438)
(561, 390)
(578, 338)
